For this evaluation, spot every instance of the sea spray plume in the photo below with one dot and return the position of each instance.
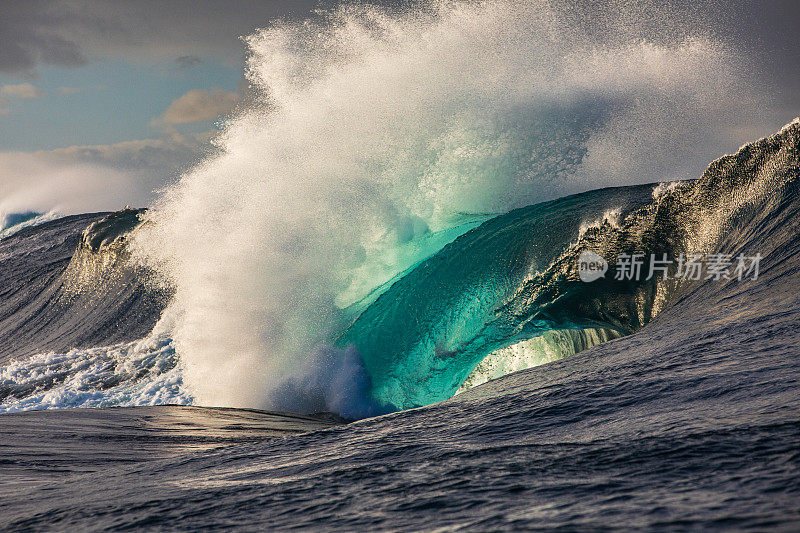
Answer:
(331, 380)
(373, 129)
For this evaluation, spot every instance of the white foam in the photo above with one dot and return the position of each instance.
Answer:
(667, 187)
(372, 129)
(611, 217)
(31, 222)
(137, 373)
(549, 347)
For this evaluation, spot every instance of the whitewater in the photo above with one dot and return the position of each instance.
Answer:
(375, 272)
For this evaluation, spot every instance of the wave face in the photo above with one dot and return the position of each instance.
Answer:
(77, 318)
(68, 284)
(84, 325)
(689, 422)
(374, 138)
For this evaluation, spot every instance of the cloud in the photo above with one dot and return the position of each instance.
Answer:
(69, 90)
(31, 33)
(72, 32)
(187, 62)
(94, 178)
(22, 91)
(199, 105)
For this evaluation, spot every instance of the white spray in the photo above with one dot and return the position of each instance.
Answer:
(372, 129)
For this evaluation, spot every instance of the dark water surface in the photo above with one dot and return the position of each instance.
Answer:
(691, 421)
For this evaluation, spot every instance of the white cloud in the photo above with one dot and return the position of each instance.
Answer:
(72, 32)
(22, 90)
(199, 105)
(94, 178)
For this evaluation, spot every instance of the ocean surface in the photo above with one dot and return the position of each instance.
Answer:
(492, 389)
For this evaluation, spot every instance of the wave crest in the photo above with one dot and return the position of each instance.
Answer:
(372, 129)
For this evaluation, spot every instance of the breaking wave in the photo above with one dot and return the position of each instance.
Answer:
(502, 296)
(380, 226)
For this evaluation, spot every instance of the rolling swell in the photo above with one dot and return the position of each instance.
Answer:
(502, 297)
(77, 319)
(68, 284)
(514, 278)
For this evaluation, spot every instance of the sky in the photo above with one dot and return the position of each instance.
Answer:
(93, 92)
